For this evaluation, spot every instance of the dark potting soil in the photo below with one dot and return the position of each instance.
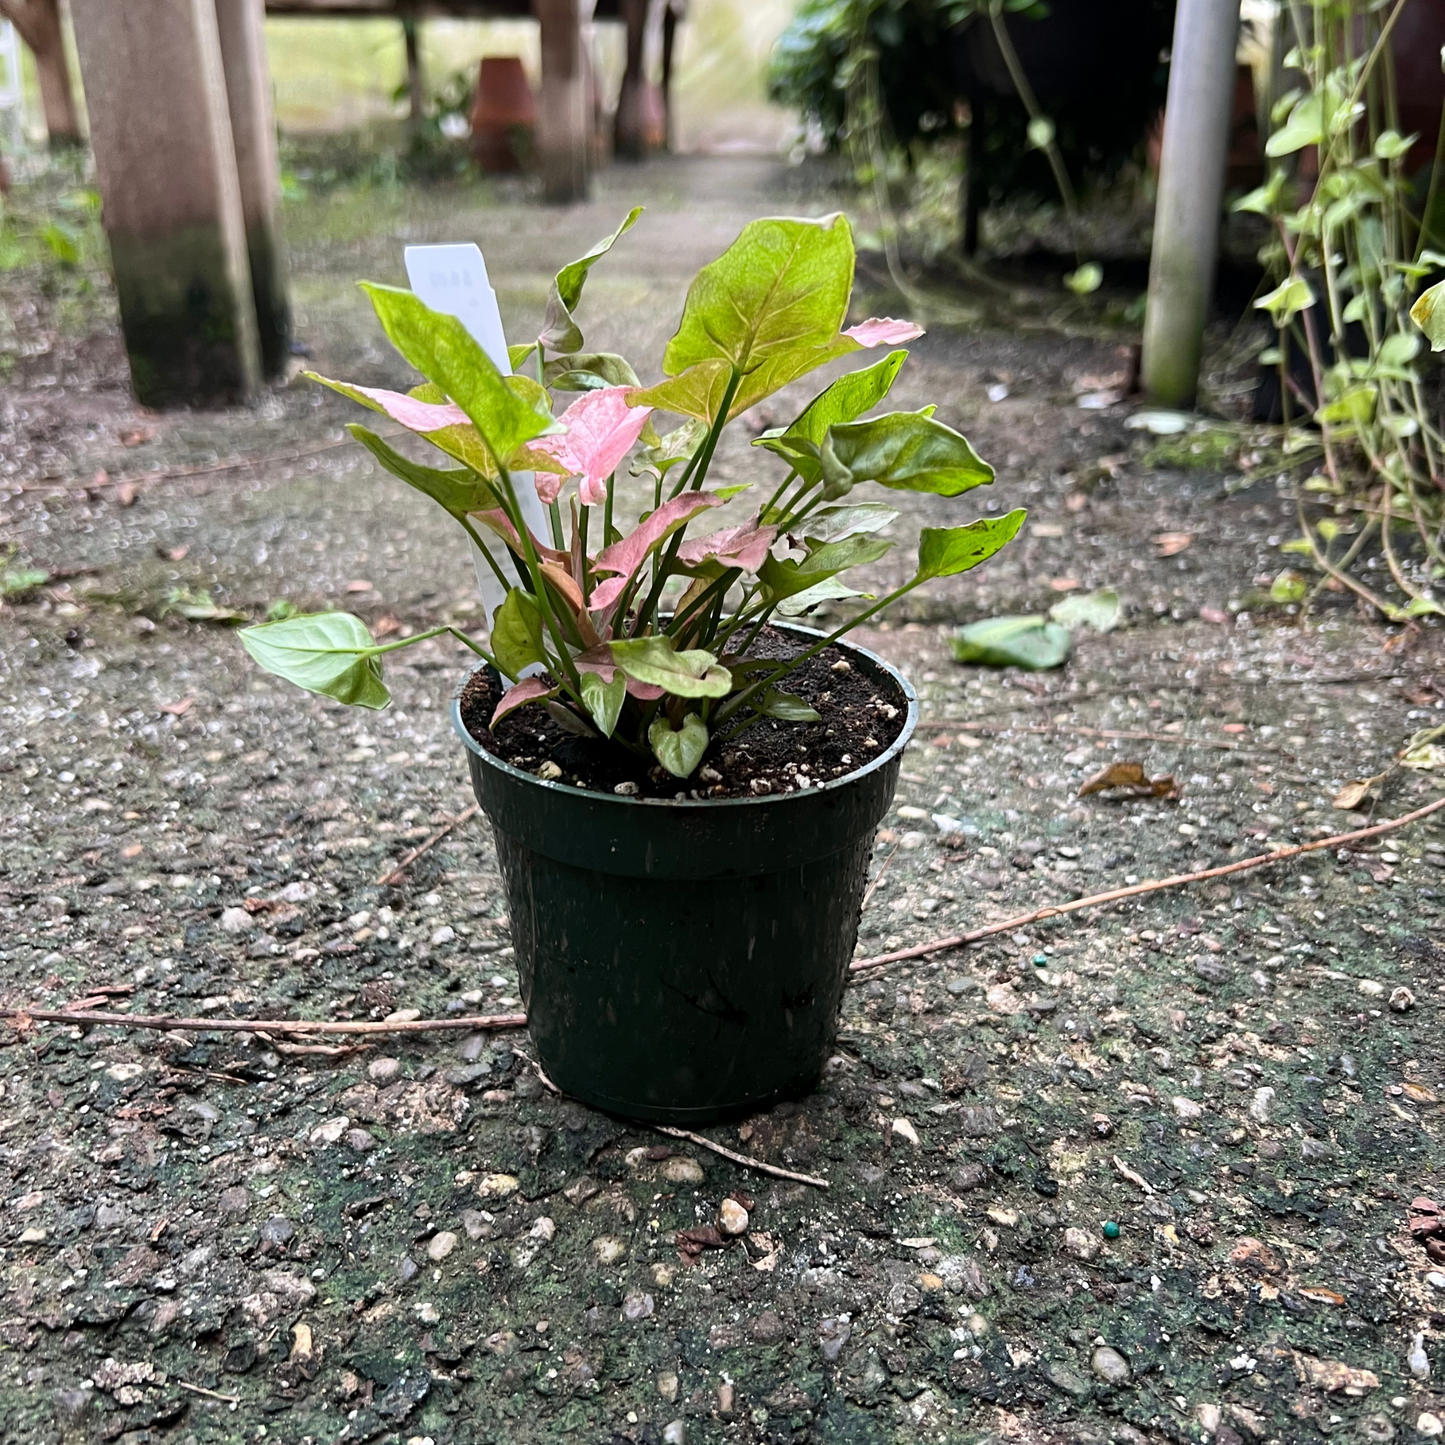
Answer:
(859, 718)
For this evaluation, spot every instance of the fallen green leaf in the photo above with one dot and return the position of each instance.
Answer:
(1031, 642)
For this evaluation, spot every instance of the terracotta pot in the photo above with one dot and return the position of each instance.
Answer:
(504, 115)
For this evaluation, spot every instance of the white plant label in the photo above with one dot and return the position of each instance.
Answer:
(453, 279)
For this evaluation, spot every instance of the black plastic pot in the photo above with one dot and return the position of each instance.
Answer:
(683, 960)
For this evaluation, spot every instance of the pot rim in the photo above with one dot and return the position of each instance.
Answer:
(910, 724)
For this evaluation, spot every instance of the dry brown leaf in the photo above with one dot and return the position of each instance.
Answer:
(1353, 794)
(1171, 544)
(1320, 1295)
(1131, 775)
(178, 709)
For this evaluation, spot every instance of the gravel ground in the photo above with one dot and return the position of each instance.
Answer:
(1136, 1174)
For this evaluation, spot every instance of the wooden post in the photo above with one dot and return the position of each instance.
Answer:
(1191, 191)
(161, 133)
(670, 18)
(415, 81)
(564, 116)
(37, 22)
(629, 130)
(242, 28)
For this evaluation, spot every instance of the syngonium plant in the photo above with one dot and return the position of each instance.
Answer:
(590, 627)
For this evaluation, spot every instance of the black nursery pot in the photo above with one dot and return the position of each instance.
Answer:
(683, 960)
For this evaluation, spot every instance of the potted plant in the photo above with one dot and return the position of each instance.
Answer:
(683, 782)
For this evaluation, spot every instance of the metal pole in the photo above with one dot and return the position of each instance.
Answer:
(1191, 191)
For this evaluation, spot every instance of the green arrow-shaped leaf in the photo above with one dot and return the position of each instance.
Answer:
(442, 349)
(907, 450)
(517, 633)
(559, 331)
(330, 653)
(946, 551)
(684, 674)
(604, 699)
(679, 752)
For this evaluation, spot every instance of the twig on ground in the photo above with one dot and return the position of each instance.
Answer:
(1179, 739)
(393, 873)
(165, 1022)
(209, 1394)
(747, 1161)
(1133, 1175)
(204, 469)
(878, 878)
(1281, 855)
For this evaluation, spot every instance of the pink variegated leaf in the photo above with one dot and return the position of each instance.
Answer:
(499, 522)
(605, 594)
(629, 554)
(418, 416)
(530, 689)
(601, 430)
(883, 331)
(599, 660)
(566, 584)
(744, 547)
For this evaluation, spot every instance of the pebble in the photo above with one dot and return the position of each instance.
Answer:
(331, 1130)
(674, 1432)
(277, 1230)
(732, 1218)
(235, 1200)
(968, 1176)
(667, 1385)
(473, 1046)
(1187, 1108)
(235, 920)
(681, 1169)
(440, 1245)
(497, 1186)
(1371, 988)
(1209, 1416)
(1434, 1279)
(383, 1071)
(1429, 1424)
(407, 1269)
(835, 1334)
(637, 1307)
(608, 1249)
(903, 1129)
(1081, 1244)
(359, 1140)
(445, 934)
(1110, 1366)
(1417, 1359)
(107, 1216)
(1402, 1000)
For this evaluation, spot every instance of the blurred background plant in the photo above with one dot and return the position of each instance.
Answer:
(965, 105)
(1349, 197)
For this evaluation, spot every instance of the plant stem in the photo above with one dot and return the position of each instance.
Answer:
(732, 704)
(461, 636)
